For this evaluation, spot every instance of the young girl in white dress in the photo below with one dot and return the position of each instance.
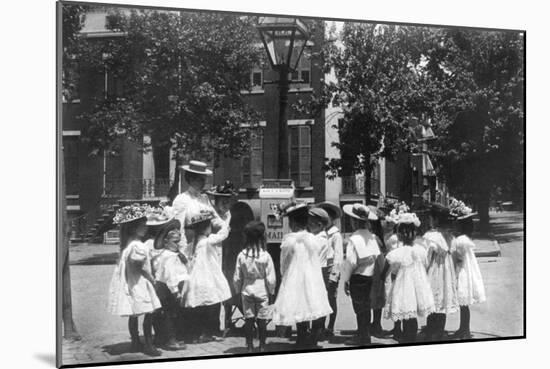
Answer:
(441, 272)
(302, 296)
(411, 296)
(255, 281)
(208, 286)
(470, 288)
(132, 291)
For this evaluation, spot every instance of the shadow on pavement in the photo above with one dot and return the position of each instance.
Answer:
(98, 259)
(117, 348)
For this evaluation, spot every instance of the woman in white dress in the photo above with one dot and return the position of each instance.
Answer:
(208, 286)
(132, 292)
(192, 201)
(411, 296)
(302, 296)
(470, 288)
(441, 272)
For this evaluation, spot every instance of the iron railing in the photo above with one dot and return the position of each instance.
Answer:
(356, 185)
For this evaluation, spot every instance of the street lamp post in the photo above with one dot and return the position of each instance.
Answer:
(284, 40)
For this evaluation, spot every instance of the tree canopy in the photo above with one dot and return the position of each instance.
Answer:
(180, 73)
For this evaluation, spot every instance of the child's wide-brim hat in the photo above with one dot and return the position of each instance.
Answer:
(197, 167)
(331, 208)
(130, 213)
(159, 216)
(169, 226)
(294, 208)
(320, 214)
(203, 216)
(408, 218)
(359, 211)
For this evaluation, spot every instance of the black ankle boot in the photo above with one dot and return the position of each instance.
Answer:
(149, 348)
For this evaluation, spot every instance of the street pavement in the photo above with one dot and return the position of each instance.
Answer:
(105, 337)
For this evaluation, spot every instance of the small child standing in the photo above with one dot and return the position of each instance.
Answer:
(171, 275)
(441, 273)
(334, 264)
(255, 281)
(302, 296)
(208, 286)
(470, 288)
(362, 251)
(132, 292)
(318, 220)
(411, 296)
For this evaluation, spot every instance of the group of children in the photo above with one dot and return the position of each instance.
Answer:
(396, 271)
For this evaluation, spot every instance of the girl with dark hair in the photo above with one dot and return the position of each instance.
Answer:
(255, 281)
(411, 296)
(470, 288)
(132, 291)
(441, 273)
(302, 296)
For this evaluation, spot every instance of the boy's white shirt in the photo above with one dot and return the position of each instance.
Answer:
(357, 250)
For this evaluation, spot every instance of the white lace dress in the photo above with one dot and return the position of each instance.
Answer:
(470, 286)
(411, 295)
(302, 294)
(207, 283)
(441, 273)
(130, 293)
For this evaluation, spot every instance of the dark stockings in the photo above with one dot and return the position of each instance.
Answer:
(464, 320)
(377, 320)
(302, 330)
(410, 327)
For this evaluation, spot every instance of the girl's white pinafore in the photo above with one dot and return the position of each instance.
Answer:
(411, 295)
(302, 294)
(470, 288)
(207, 283)
(441, 273)
(130, 293)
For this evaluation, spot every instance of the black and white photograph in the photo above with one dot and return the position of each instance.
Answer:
(239, 184)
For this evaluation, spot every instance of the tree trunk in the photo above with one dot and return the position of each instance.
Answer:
(69, 328)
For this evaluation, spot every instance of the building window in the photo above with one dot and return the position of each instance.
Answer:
(302, 72)
(113, 86)
(300, 155)
(252, 164)
(256, 79)
(70, 155)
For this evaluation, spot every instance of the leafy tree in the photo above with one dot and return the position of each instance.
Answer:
(379, 86)
(481, 148)
(182, 73)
